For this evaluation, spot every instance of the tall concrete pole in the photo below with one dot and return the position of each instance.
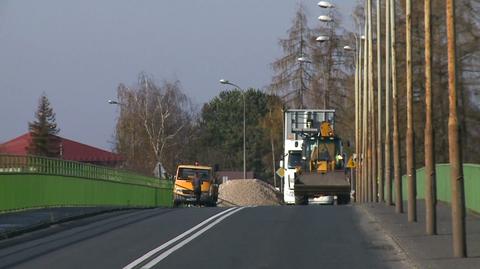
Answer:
(360, 121)
(244, 139)
(358, 134)
(454, 143)
(379, 106)
(357, 114)
(430, 178)
(371, 102)
(396, 146)
(365, 114)
(388, 178)
(411, 173)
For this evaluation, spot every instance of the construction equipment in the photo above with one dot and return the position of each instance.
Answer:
(183, 190)
(313, 159)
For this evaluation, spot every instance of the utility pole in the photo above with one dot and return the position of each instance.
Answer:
(396, 147)
(430, 175)
(365, 119)
(388, 177)
(454, 149)
(357, 125)
(379, 107)
(411, 173)
(360, 124)
(371, 102)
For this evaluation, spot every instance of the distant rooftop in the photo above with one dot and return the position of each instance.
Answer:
(69, 150)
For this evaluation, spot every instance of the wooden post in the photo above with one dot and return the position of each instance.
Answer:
(396, 146)
(379, 107)
(454, 149)
(430, 178)
(388, 176)
(411, 173)
(372, 151)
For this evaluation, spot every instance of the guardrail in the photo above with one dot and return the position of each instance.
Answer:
(32, 181)
(471, 173)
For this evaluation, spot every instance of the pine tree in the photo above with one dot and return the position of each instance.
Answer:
(43, 131)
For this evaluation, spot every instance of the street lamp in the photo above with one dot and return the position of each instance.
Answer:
(325, 4)
(226, 82)
(113, 102)
(304, 60)
(356, 90)
(323, 38)
(325, 18)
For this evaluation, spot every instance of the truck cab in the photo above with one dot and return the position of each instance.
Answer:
(183, 193)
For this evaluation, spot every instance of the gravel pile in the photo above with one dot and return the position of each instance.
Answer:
(248, 192)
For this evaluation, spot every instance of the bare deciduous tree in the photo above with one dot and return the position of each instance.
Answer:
(153, 121)
(292, 77)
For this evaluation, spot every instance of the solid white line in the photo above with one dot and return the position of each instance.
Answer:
(154, 251)
(187, 240)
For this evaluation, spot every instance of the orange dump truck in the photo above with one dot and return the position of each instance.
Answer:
(183, 188)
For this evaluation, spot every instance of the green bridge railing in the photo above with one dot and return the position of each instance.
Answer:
(32, 182)
(471, 173)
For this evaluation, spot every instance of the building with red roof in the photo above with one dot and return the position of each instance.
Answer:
(69, 150)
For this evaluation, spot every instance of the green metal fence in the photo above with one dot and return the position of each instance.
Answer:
(472, 185)
(30, 181)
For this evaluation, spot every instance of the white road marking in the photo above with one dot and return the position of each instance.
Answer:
(187, 240)
(156, 250)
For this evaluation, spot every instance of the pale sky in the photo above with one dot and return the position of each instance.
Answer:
(77, 52)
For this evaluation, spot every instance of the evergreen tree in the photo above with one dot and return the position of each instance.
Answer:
(221, 131)
(43, 131)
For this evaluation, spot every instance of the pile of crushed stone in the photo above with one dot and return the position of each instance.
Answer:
(248, 192)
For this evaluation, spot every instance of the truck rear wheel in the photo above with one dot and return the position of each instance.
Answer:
(301, 200)
(298, 200)
(343, 199)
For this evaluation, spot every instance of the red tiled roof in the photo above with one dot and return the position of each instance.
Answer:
(17, 146)
(71, 150)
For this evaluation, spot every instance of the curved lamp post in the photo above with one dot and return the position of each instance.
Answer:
(226, 82)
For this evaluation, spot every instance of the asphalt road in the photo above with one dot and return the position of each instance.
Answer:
(257, 237)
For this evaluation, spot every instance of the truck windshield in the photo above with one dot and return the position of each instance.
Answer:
(185, 173)
(294, 159)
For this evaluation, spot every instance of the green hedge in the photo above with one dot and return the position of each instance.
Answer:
(471, 174)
